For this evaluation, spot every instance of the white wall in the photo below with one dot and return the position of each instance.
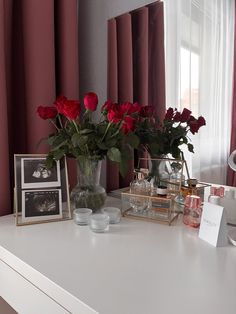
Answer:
(93, 16)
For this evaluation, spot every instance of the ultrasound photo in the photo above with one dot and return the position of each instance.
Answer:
(35, 174)
(41, 204)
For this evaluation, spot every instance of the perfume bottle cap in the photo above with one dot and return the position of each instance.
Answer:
(192, 182)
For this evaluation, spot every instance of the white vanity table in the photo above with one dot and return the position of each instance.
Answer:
(136, 268)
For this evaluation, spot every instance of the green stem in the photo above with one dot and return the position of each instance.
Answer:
(54, 125)
(117, 132)
(76, 126)
(59, 119)
(104, 135)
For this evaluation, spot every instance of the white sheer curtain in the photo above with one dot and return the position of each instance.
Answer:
(199, 73)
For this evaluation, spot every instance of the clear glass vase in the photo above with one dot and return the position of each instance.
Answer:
(158, 172)
(88, 192)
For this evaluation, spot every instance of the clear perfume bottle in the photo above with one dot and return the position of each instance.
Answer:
(140, 189)
(176, 177)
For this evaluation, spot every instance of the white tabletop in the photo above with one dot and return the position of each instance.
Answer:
(136, 268)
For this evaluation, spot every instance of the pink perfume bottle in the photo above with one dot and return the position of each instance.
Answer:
(192, 211)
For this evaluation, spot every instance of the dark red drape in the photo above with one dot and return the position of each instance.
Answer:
(136, 67)
(38, 60)
(231, 175)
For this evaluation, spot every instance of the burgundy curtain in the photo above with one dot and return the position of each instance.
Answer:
(136, 67)
(38, 61)
(231, 175)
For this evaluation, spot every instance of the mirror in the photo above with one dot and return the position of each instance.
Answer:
(232, 160)
(192, 72)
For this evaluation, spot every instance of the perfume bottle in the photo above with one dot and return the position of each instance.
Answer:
(140, 189)
(192, 211)
(177, 177)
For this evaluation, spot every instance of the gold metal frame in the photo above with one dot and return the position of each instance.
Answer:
(166, 212)
(64, 187)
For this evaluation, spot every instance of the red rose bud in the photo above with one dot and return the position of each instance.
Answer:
(201, 121)
(185, 115)
(169, 113)
(91, 101)
(128, 125)
(47, 112)
(147, 111)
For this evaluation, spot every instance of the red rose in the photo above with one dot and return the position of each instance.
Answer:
(108, 105)
(128, 125)
(194, 127)
(169, 113)
(59, 103)
(47, 112)
(177, 116)
(69, 108)
(127, 108)
(147, 111)
(185, 115)
(91, 101)
(136, 107)
(114, 116)
(201, 121)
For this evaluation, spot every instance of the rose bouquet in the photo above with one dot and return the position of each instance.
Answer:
(167, 137)
(77, 135)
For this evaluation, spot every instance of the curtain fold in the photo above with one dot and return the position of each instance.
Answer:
(136, 68)
(38, 61)
(112, 168)
(231, 175)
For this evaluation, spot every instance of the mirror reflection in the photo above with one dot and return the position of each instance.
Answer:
(179, 54)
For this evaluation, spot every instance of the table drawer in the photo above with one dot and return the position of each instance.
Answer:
(23, 296)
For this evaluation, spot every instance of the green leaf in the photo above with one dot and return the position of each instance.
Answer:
(114, 154)
(110, 142)
(102, 145)
(86, 131)
(58, 154)
(185, 140)
(190, 148)
(59, 145)
(51, 139)
(133, 140)
(49, 161)
(79, 140)
(82, 140)
(75, 139)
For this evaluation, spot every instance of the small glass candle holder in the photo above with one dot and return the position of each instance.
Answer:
(81, 215)
(192, 211)
(99, 222)
(114, 214)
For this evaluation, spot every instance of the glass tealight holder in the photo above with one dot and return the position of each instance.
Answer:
(81, 216)
(114, 214)
(99, 222)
